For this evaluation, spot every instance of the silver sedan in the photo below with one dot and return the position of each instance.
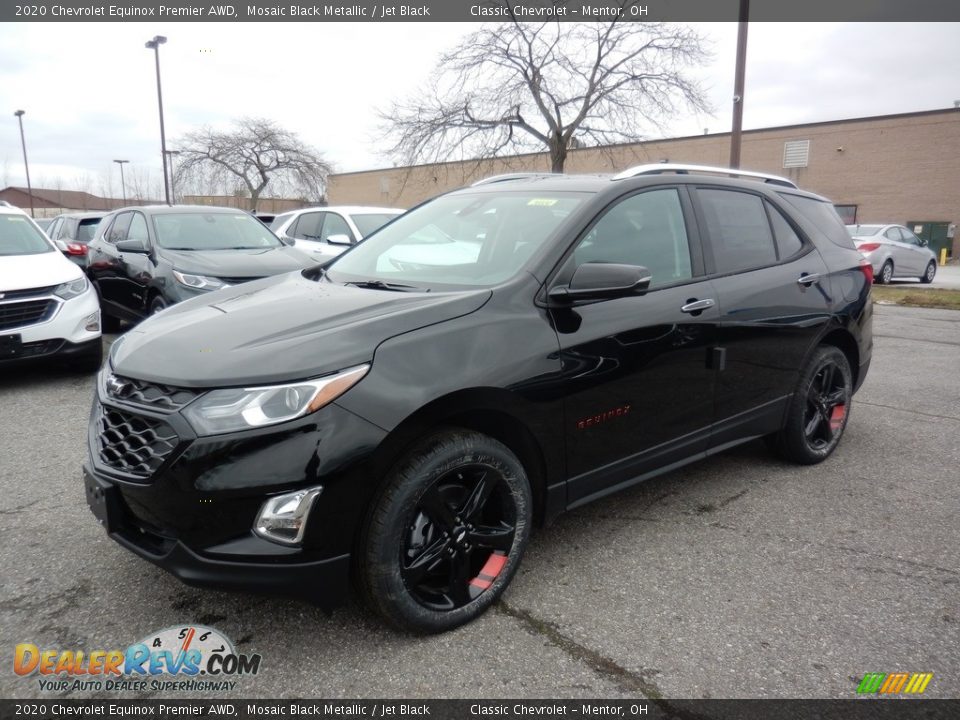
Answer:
(894, 252)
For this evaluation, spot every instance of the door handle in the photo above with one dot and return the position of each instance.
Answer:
(808, 279)
(697, 306)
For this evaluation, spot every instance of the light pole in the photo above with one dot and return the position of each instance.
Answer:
(738, 84)
(123, 186)
(170, 154)
(154, 45)
(26, 166)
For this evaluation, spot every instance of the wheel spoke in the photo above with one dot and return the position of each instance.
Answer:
(812, 423)
(478, 496)
(826, 382)
(437, 509)
(426, 561)
(835, 398)
(459, 590)
(493, 538)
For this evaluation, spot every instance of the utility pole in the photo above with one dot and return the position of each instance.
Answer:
(26, 166)
(738, 84)
(154, 45)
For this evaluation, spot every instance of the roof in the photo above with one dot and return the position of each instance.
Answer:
(74, 199)
(174, 209)
(81, 215)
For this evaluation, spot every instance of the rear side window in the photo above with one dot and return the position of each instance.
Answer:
(788, 242)
(87, 229)
(740, 233)
(824, 216)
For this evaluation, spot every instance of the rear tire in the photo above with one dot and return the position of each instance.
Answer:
(930, 273)
(446, 534)
(819, 409)
(886, 273)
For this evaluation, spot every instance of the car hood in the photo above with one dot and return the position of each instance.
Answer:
(256, 263)
(277, 329)
(20, 272)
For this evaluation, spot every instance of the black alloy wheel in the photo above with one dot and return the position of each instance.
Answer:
(447, 533)
(819, 409)
(158, 304)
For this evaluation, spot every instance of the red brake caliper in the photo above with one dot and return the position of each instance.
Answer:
(836, 417)
(489, 571)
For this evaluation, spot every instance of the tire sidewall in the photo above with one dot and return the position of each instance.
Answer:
(930, 273)
(886, 273)
(433, 459)
(797, 445)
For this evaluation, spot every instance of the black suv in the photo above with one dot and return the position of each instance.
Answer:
(407, 413)
(144, 259)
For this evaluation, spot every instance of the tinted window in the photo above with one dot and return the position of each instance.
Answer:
(824, 217)
(739, 230)
(138, 230)
(212, 231)
(308, 226)
(333, 224)
(788, 242)
(645, 229)
(118, 231)
(87, 229)
(68, 231)
(370, 222)
(18, 236)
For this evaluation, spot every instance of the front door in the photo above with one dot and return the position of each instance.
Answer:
(638, 368)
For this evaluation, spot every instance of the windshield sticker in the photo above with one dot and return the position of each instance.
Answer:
(542, 202)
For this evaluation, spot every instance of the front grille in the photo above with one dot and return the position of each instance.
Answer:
(28, 312)
(27, 293)
(132, 443)
(151, 395)
(239, 280)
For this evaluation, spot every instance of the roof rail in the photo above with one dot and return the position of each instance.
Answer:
(506, 177)
(684, 169)
(6, 204)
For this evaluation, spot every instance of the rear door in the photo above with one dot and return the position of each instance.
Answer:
(771, 286)
(106, 264)
(900, 251)
(637, 368)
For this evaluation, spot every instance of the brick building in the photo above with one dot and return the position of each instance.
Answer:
(901, 168)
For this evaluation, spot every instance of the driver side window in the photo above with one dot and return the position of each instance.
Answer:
(645, 229)
(138, 230)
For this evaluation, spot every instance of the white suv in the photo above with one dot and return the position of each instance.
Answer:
(324, 232)
(47, 306)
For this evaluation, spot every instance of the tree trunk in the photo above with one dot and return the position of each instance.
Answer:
(558, 154)
(254, 200)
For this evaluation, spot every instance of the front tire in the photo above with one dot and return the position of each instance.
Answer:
(158, 304)
(930, 273)
(819, 409)
(447, 532)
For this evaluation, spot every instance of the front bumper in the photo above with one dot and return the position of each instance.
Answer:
(194, 511)
(67, 322)
(250, 564)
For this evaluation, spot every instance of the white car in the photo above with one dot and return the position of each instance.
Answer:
(894, 252)
(324, 232)
(48, 308)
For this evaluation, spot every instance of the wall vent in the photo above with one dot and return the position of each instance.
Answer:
(796, 153)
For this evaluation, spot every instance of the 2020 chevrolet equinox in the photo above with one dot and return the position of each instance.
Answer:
(404, 419)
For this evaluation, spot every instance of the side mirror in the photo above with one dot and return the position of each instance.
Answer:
(339, 239)
(923, 243)
(603, 281)
(133, 246)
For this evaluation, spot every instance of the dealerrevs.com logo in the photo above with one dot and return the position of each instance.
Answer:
(894, 683)
(180, 658)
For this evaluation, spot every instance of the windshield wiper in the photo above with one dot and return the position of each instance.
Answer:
(381, 285)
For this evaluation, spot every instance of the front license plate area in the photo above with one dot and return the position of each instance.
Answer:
(11, 346)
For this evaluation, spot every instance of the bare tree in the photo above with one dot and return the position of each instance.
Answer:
(548, 86)
(253, 154)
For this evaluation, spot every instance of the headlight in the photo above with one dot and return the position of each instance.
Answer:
(199, 282)
(222, 411)
(72, 289)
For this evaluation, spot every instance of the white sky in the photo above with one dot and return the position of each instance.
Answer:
(90, 96)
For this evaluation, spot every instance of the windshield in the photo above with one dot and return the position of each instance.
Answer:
(87, 229)
(862, 230)
(369, 222)
(280, 220)
(18, 236)
(470, 240)
(212, 231)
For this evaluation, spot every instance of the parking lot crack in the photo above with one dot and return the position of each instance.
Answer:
(602, 665)
(907, 410)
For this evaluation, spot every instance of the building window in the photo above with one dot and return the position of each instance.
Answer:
(847, 213)
(796, 153)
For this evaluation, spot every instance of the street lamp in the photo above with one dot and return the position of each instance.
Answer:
(736, 135)
(170, 154)
(154, 45)
(123, 186)
(26, 166)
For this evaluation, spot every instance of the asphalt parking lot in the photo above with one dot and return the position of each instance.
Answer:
(737, 577)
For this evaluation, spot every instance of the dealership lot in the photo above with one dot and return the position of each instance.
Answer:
(739, 576)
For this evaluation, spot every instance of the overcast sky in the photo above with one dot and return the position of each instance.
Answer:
(90, 96)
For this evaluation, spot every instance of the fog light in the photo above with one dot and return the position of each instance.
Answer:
(283, 518)
(92, 322)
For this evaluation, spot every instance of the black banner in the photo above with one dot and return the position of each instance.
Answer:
(656, 709)
(475, 10)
